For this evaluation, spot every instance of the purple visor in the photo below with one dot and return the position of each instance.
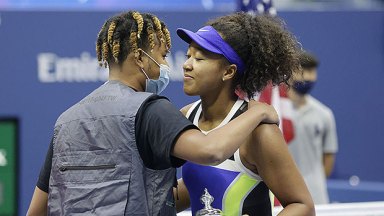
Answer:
(209, 39)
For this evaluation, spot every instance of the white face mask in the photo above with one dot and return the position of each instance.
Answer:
(157, 86)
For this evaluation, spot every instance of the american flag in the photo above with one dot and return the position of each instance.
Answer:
(256, 6)
(276, 96)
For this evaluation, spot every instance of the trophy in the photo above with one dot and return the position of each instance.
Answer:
(207, 199)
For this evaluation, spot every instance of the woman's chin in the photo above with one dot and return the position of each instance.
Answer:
(189, 92)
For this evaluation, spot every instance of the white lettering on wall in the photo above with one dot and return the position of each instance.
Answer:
(3, 157)
(52, 68)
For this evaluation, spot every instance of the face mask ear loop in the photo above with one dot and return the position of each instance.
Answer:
(150, 57)
(144, 73)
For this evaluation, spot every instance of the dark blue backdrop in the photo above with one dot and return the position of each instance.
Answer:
(37, 87)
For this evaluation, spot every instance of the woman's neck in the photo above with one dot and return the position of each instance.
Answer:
(214, 109)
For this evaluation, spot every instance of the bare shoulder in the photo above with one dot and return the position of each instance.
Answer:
(262, 146)
(267, 130)
(185, 109)
(262, 136)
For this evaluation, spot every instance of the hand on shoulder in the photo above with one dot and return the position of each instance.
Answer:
(269, 113)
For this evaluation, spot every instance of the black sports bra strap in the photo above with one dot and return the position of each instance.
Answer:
(193, 113)
(243, 108)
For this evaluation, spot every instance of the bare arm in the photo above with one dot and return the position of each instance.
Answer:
(182, 196)
(220, 144)
(39, 203)
(329, 161)
(268, 152)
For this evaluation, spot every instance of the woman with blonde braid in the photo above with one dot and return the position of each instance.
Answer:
(246, 53)
(116, 151)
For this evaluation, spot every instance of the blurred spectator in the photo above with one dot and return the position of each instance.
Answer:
(315, 142)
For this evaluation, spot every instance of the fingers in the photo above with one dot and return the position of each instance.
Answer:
(253, 102)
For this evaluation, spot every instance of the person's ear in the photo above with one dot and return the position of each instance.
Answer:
(230, 72)
(138, 58)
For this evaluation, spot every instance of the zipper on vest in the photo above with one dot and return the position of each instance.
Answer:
(99, 167)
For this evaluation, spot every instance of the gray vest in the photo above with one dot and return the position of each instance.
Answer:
(96, 166)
